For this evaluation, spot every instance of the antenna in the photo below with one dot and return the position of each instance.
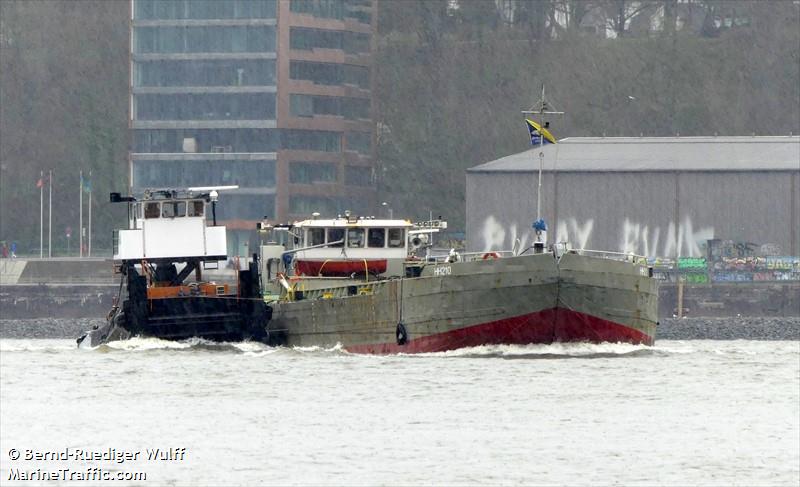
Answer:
(540, 109)
(212, 188)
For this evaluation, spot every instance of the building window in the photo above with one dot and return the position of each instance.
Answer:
(204, 9)
(328, 9)
(223, 72)
(334, 9)
(358, 175)
(315, 140)
(331, 74)
(205, 140)
(301, 106)
(301, 172)
(189, 173)
(347, 107)
(355, 43)
(306, 205)
(245, 206)
(360, 142)
(309, 39)
(197, 39)
(206, 106)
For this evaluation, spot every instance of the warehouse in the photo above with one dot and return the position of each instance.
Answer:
(653, 196)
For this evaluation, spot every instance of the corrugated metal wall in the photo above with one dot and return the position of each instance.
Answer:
(652, 213)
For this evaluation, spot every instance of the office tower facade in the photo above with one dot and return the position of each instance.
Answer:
(271, 95)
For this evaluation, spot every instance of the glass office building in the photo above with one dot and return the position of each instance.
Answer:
(271, 95)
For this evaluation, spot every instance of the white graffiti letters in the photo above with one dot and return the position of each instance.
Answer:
(635, 237)
(578, 235)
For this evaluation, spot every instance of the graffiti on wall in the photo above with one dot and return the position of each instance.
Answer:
(680, 240)
(494, 235)
(578, 234)
(634, 237)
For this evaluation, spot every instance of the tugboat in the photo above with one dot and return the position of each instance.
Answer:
(161, 257)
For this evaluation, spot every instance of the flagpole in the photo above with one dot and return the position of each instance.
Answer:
(41, 215)
(50, 218)
(80, 213)
(543, 109)
(539, 190)
(89, 245)
(541, 163)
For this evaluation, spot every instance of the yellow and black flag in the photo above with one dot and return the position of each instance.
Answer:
(539, 135)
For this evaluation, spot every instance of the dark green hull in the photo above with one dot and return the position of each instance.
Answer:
(515, 300)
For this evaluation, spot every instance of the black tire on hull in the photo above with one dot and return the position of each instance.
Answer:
(401, 333)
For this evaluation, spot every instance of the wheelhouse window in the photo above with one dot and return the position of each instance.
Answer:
(152, 210)
(376, 237)
(315, 236)
(173, 209)
(335, 234)
(196, 208)
(396, 237)
(355, 238)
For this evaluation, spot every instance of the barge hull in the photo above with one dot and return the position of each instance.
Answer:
(518, 300)
(550, 326)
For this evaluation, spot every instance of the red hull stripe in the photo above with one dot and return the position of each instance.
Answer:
(339, 267)
(548, 326)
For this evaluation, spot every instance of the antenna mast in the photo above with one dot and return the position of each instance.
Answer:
(540, 109)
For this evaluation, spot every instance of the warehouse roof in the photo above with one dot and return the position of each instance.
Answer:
(757, 153)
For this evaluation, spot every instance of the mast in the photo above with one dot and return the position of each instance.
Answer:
(50, 216)
(80, 217)
(540, 109)
(41, 214)
(89, 243)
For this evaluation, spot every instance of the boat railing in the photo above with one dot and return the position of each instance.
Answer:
(606, 254)
(468, 256)
(497, 254)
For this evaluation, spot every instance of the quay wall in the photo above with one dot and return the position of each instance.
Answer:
(85, 289)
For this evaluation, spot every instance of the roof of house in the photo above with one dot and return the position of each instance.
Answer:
(634, 154)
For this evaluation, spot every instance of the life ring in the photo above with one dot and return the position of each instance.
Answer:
(490, 255)
(401, 334)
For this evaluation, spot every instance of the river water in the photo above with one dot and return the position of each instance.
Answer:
(683, 412)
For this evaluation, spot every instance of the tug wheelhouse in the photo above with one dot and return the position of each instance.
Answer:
(162, 254)
(347, 246)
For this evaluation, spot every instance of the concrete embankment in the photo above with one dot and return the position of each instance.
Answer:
(65, 287)
(730, 299)
(64, 301)
(739, 328)
(47, 327)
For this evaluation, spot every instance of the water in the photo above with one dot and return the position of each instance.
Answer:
(682, 412)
